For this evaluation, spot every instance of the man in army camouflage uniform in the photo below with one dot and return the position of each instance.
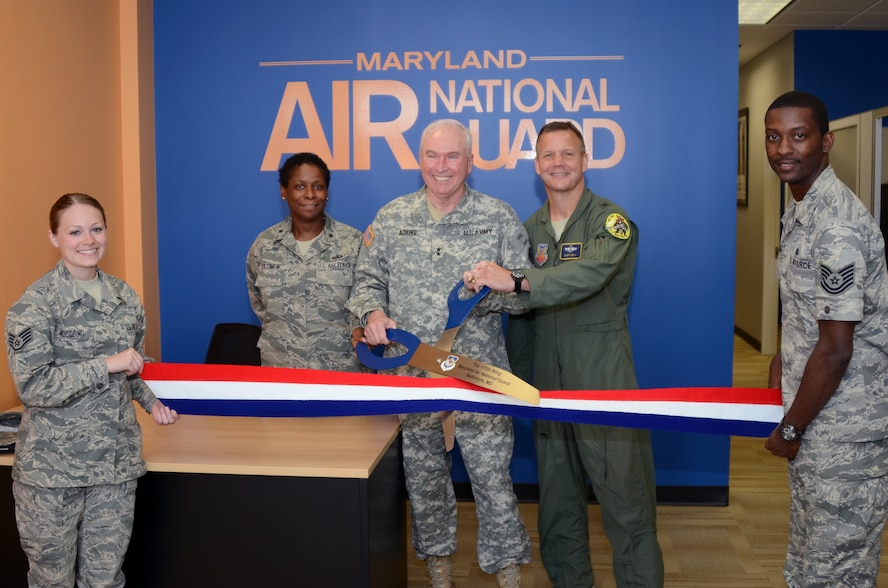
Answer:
(415, 252)
(833, 362)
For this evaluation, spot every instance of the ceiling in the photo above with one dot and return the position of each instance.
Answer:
(828, 15)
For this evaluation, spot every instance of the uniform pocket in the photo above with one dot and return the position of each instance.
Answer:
(602, 327)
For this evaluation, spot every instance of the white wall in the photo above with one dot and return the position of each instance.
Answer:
(884, 179)
(758, 225)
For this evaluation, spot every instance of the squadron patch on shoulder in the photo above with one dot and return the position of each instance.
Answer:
(368, 236)
(836, 281)
(542, 254)
(18, 342)
(617, 225)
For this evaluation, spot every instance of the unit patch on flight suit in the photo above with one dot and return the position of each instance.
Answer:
(571, 251)
(542, 254)
(617, 225)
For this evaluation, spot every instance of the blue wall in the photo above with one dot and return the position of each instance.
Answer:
(660, 82)
(844, 68)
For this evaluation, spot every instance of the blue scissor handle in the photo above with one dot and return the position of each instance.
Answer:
(369, 358)
(459, 308)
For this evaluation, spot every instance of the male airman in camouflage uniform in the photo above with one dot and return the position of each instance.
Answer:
(416, 250)
(833, 365)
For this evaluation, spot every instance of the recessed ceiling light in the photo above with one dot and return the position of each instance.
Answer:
(760, 11)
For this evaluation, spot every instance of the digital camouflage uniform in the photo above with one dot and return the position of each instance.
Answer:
(407, 269)
(300, 300)
(576, 337)
(832, 267)
(79, 442)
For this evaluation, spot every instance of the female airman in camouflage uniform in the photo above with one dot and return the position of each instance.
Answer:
(75, 341)
(300, 273)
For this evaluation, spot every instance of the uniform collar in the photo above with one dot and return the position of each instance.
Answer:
(464, 209)
(583, 204)
(284, 232)
(70, 292)
(802, 211)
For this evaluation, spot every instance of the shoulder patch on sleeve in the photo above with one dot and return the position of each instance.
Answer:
(18, 342)
(368, 236)
(617, 225)
(836, 281)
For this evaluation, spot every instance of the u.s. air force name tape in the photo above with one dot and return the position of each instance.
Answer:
(225, 390)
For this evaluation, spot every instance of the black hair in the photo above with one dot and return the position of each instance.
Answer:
(799, 99)
(294, 161)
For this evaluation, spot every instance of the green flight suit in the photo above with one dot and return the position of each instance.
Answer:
(576, 337)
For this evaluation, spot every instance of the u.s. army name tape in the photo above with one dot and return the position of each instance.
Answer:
(226, 390)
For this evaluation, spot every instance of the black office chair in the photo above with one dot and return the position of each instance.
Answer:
(234, 344)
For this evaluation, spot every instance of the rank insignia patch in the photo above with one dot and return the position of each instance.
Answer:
(571, 251)
(836, 282)
(17, 342)
(542, 254)
(617, 225)
(368, 236)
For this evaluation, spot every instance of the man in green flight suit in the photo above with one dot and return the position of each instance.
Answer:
(576, 337)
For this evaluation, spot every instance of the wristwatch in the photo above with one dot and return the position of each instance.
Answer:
(790, 432)
(518, 276)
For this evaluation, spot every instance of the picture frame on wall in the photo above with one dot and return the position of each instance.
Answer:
(743, 157)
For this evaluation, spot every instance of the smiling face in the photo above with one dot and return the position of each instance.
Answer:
(306, 194)
(445, 164)
(560, 162)
(80, 238)
(796, 149)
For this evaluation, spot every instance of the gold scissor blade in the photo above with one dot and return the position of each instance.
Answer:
(445, 341)
(445, 363)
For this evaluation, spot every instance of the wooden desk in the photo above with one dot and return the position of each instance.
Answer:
(234, 501)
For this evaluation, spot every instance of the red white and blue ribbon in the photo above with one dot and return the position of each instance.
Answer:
(227, 390)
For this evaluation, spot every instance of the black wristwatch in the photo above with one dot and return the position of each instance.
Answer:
(790, 432)
(518, 276)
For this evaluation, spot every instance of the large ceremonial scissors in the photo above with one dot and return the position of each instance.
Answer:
(440, 360)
